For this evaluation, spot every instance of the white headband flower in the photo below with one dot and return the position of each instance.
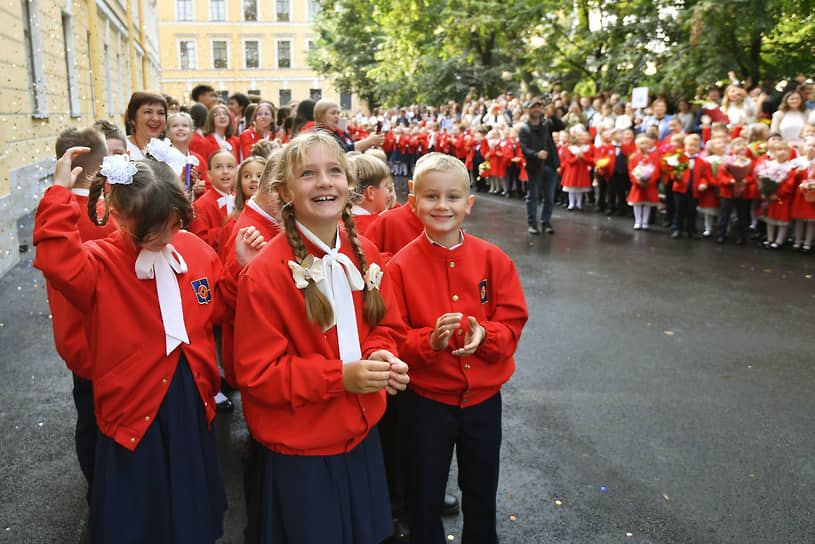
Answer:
(118, 169)
(373, 277)
(163, 150)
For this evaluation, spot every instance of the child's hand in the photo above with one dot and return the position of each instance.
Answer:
(446, 324)
(247, 244)
(399, 378)
(367, 376)
(200, 185)
(474, 338)
(63, 175)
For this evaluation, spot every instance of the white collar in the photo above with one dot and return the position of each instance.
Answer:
(359, 210)
(254, 205)
(80, 191)
(451, 248)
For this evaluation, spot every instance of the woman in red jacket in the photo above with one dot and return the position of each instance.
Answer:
(219, 133)
(262, 129)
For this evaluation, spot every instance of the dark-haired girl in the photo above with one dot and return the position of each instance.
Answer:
(147, 291)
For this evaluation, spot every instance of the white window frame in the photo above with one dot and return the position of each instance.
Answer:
(192, 18)
(291, 15)
(291, 54)
(226, 11)
(36, 61)
(108, 71)
(279, 98)
(212, 52)
(194, 65)
(310, 14)
(70, 64)
(260, 54)
(258, 3)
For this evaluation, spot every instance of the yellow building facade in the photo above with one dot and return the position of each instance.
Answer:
(64, 63)
(249, 46)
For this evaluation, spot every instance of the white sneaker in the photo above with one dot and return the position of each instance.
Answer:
(637, 226)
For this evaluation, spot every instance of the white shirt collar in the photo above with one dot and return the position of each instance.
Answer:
(81, 192)
(359, 210)
(252, 204)
(435, 243)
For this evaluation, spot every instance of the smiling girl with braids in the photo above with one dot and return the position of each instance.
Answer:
(317, 354)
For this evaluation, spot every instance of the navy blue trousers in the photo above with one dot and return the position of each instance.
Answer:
(684, 212)
(431, 431)
(86, 428)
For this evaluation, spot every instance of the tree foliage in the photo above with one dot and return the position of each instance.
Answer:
(402, 51)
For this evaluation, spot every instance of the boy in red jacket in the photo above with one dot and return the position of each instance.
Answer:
(462, 301)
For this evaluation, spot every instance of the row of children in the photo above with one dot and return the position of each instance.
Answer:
(767, 179)
(317, 327)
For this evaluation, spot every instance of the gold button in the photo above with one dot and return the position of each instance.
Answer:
(164, 380)
(464, 401)
(147, 418)
(466, 367)
(132, 439)
(455, 298)
(460, 332)
(364, 410)
(452, 264)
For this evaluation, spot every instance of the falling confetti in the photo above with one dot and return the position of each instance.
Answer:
(603, 488)
(669, 333)
(451, 538)
(512, 518)
(667, 498)
(558, 503)
(511, 496)
(768, 270)
(629, 534)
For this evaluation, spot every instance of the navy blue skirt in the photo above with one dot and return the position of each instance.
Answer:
(337, 499)
(170, 488)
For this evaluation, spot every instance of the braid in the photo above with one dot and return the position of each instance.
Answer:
(374, 304)
(318, 308)
(96, 190)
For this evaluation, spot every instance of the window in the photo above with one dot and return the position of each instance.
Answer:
(183, 10)
(32, 34)
(313, 9)
(284, 54)
(345, 101)
(250, 10)
(315, 94)
(186, 55)
(253, 92)
(223, 96)
(251, 54)
(220, 54)
(283, 11)
(285, 97)
(70, 64)
(217, 10)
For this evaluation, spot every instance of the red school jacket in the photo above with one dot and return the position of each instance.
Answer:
(129, 368)
(702, 174)
(394, 229)
(69, 324)
(476, 279)
(290, 371)
(210, 145)
(209, 217)
(575, 171)
(650, 193)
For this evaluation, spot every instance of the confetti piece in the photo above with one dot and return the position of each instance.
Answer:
(558, 503)
(451, 538)
(603, 488)
(768, 270)
(669, 333)
(808, 276)
(512, 518)
(723, 376)
(40, 424)
(511, 496)
(667, 498)
(752, 475)
(629, 534)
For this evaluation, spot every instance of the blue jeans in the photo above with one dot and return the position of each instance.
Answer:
(541, 186)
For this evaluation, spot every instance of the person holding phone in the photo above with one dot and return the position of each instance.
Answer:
(327, 118)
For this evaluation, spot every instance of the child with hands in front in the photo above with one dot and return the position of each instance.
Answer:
(316, 352)
(462, 301)
(147, 292)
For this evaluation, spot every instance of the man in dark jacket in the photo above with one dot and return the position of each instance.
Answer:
(542, 163)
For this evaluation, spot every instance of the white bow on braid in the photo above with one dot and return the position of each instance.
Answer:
(339, 277)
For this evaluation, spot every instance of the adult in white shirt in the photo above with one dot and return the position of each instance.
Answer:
(791, 117)
(738, 107)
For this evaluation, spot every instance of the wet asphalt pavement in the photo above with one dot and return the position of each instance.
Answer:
(664, 393)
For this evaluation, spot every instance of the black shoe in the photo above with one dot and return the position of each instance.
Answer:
(401, 533)
(547, 228)
(450, 506)
(676, 234)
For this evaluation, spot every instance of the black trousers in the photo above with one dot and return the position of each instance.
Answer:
(617, 191)
(431, 431)
(86, 428)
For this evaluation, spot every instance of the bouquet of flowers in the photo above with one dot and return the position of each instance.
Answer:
(643, 172)
(739, 168)
(770, 176)
(602, 166)
(578, 150)
(715, 161)
(675, 161)
(483, 167)
(757, 148)
(808, 186)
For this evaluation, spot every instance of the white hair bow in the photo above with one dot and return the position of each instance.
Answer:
(163, 150)
(118, 169)
(311, 269)
(373, 277)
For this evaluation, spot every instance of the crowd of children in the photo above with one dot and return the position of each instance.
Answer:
(341, 352)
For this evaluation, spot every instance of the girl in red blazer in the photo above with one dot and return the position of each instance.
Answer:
(803, 206)
(578, 160)
(218, 202)
(219, 133)
(313, 375)
(147, 294)
(373, 190)
(643, 169)
(262, 129)
(779, 204)
(246, 185)
(733, 193)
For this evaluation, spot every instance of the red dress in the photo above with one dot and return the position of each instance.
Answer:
(801, 208)
(248, 138)
(576, 170)
(648, 194)
(779, 209)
